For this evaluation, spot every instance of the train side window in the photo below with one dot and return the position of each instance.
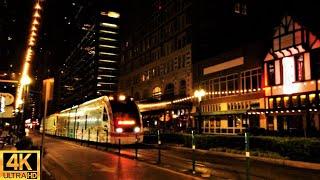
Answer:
(105, 114)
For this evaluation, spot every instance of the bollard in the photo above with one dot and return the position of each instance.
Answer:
(136, 148)
(159, 148)
(119, 147)
(81, 136)
(97, 139)
(193, 153)
(246, 136)
(88, 137)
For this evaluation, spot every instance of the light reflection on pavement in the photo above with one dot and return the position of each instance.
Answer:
(66, 160)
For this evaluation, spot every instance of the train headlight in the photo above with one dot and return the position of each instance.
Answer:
(119, 130)
(136, 129)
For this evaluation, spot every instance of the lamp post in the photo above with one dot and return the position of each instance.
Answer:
(199, 94)
(25, 82)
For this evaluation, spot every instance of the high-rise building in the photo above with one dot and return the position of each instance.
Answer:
(91, 69)
(158, 57)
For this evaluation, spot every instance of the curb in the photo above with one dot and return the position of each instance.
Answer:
(283, 162)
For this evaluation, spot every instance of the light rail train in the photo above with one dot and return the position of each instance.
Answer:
(105, 119)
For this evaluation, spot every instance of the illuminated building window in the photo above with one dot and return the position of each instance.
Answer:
(271, 105)
(109, 25)
(240, 8)
(237, 8)
(106, 53)
(303, 100)
(312, 99)
(106, 46)
(279, 102)
(156, 93)
(271, 73)
(218, 123)
(111, 14)
(250, 80)
(286, 102)
(107, 32)
(299, 67)
(107, 39)
(295, 102)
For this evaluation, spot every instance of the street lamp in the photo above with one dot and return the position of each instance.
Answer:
(199, 94)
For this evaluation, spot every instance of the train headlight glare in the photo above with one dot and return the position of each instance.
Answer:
(136, 129)
(119, 130)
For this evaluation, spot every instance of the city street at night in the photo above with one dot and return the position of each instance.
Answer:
(159, 89)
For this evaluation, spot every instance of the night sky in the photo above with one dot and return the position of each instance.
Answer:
(56, 40)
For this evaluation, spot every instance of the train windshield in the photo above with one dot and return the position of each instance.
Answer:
(125, 112)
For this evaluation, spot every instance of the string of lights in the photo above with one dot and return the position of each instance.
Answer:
(192, 98)
(32, 39)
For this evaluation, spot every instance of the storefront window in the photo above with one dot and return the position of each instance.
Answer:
(295, 102)
(303, 100)
(218, 123)
(279, 103)
(271, 103)
(286, 102)
(312, 99)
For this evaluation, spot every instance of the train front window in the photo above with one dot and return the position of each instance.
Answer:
(125, 113)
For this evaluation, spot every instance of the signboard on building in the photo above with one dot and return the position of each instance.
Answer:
(6, 105)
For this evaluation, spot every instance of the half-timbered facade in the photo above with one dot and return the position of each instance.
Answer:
(292, 79)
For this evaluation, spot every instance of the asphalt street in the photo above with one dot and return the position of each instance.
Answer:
(67, 160)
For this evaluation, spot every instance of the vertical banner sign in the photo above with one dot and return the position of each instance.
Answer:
(2, 104)
(21, 164)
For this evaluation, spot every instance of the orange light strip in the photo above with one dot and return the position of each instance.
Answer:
(126, 122)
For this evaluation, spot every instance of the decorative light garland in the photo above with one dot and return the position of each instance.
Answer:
(25, 78)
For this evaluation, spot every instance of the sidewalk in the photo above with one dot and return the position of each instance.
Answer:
(283, 162)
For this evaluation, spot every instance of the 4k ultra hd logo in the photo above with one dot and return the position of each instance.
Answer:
(21, 164)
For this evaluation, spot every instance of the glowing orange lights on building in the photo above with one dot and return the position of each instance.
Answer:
(33, 28)
(36, 14)
(37, 6)
(33, 34)
(35, 22)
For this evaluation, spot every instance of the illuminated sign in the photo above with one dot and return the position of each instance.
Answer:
(20, 164)
(2, 104)
(9, 98)
(288, 75)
